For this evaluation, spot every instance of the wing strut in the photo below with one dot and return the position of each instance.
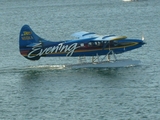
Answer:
(111, 52)
(82, 59)
(97, 59)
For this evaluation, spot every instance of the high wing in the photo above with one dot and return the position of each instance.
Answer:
(95, 37)
(83, 40)
(110, 38)
(84, 35)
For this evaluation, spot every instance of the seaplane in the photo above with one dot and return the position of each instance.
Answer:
(100, 49)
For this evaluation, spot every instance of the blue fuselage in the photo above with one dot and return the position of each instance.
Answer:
(74, 49)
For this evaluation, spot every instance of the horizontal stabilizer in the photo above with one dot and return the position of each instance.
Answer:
(35, 45)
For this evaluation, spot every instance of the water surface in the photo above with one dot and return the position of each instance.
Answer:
(40, 90)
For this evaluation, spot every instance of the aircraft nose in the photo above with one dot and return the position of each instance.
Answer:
(142, 42)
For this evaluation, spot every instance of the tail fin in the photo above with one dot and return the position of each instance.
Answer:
(27, 40)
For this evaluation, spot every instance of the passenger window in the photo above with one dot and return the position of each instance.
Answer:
(89, 44)
(82, 44)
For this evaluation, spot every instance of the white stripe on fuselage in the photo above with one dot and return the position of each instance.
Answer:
(54, 49)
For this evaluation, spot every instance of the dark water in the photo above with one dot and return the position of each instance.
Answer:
(42, 91)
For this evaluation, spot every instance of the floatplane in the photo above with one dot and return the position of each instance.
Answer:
(102, 49)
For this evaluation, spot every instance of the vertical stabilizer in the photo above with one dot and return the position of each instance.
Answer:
(27, 40)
